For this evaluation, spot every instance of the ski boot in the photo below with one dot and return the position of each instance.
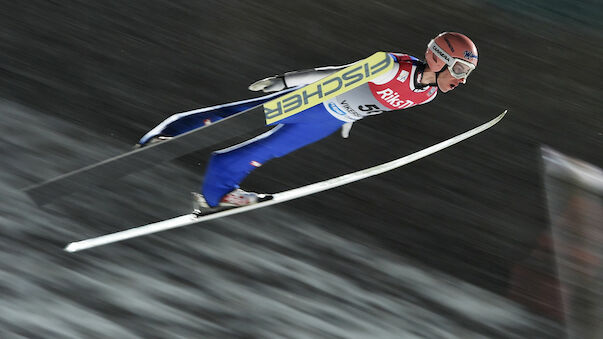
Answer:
(234, 199)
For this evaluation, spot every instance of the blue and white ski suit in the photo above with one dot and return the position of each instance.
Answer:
(398, 89)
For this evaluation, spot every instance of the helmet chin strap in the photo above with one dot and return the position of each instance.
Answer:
(420, 85)
(437, 75)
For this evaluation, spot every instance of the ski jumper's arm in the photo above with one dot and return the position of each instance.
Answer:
(304, 77)
(294, 79)
(299, 78)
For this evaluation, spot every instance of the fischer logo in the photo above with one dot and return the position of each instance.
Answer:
(392, 98)
(326, 88)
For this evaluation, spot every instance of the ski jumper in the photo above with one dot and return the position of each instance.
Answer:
(399, 89)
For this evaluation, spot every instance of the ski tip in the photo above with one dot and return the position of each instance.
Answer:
(501, 115)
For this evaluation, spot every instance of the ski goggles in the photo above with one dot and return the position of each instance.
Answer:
(458, 68)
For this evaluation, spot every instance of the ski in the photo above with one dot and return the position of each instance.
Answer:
(278, 198)
(269, 109)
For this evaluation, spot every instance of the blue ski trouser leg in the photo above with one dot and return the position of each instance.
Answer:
(228, 167)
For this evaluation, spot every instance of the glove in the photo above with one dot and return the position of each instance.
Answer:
(270, 84)
(345, 129)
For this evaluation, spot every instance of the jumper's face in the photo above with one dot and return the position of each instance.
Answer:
(446, 82)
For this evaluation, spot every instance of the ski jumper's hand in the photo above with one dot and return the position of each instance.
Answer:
(345, 129)
(270, 84)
